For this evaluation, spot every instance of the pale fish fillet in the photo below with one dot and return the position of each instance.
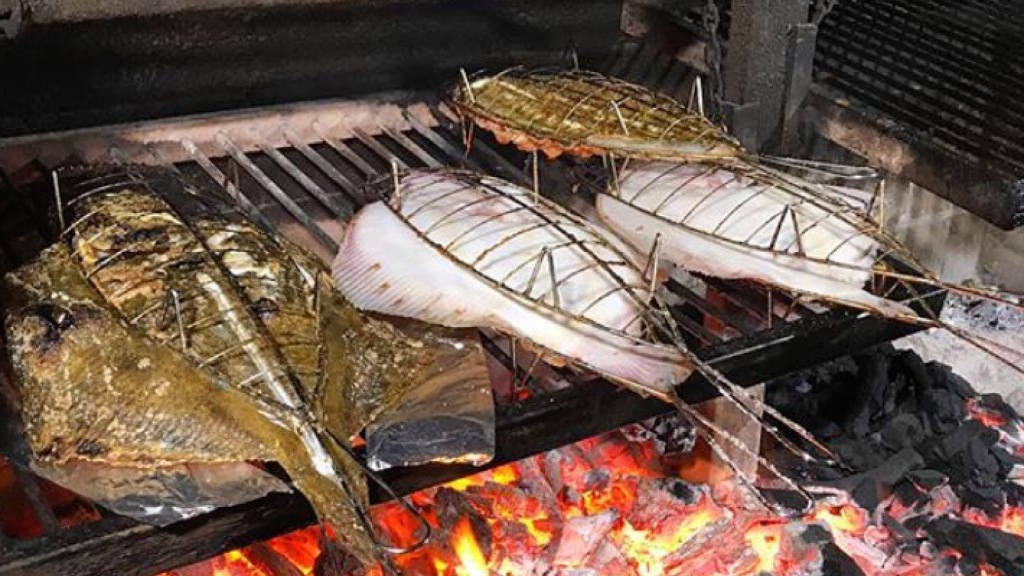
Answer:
(394, 261)
(724, 224)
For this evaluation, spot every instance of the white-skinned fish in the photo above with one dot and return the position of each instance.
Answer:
(726, 224)
(464, 250)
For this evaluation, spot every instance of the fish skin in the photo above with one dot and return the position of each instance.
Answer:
(586, 113)
(717, 222)
(89, 400)
(384, 266)
(269, 302)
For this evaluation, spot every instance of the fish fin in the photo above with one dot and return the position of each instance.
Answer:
(403, 283)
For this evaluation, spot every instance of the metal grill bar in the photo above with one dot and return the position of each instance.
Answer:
(34, 494)
(950, 69)
(308, 174)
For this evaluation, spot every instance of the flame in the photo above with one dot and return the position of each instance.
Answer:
(985, 415)
(525, 515)
(846, 518)
(648, 549)
(1010, 520)
(506, 475)
(302, 548)
(1013, 521)
(988, 570)
(766, 542)
(468, 550)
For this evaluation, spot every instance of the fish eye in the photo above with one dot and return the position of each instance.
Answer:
(56, 317)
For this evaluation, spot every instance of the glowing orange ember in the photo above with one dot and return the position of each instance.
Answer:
(301, 548)
(766, 542)
(1010, 520)
(1013, 521)
(473, 562)
(987, 570)
(506, 474)
(847, 518)
(649, 549)
(607, 504)
(984, 415)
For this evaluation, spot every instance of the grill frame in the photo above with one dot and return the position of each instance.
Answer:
(525, 428)
(890, 99)
(867, 109)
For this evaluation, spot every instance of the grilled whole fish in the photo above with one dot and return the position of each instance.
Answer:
(162, 332)
(730, 224)
(473, 251)
(587, 113)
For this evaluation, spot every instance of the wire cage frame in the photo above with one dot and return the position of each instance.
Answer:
(549, 215)
(537, 109)
(587, 113)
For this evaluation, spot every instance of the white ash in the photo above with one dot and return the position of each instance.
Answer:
(999, 323)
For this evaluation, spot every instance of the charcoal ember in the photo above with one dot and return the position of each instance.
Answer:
(610, 560)
(515, 542)
(333, 561)
(801, 549)
(927, 479)
(944, 377)
(812, 396)
(671, 434)
(835, 562)
(979, 544)
(581, 536)
(721, 543)
(551, 468)
(860, 453)
(566, 466)
(870, 488)
(975, 464)
(265, 559)
(533, 483)
(451, 506)
(944, 409)
(903, 535)
(510, 499)
(597, 479)
(914, 367)
(569, 497)
(875, 398)
(525, 564)
(911, 494)
(662, 502)
(419, 563)
(923, 492)
(903, 431)
(996, 404)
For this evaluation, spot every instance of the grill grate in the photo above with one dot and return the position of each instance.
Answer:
(944, 76)
(944, 68)
(299, 171)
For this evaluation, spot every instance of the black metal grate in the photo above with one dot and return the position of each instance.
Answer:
(301, 185)
(951, 68)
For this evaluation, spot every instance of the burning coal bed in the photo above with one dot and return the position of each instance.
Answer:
(937, 489)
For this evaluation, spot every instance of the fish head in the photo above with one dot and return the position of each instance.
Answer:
(44, 315)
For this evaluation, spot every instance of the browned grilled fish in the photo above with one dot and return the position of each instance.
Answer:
(161, 332)
(586, 113)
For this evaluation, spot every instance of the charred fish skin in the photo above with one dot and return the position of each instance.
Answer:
(253, 316)
(152, 271)
(586, 113)
(471, 251)
(92, 388)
